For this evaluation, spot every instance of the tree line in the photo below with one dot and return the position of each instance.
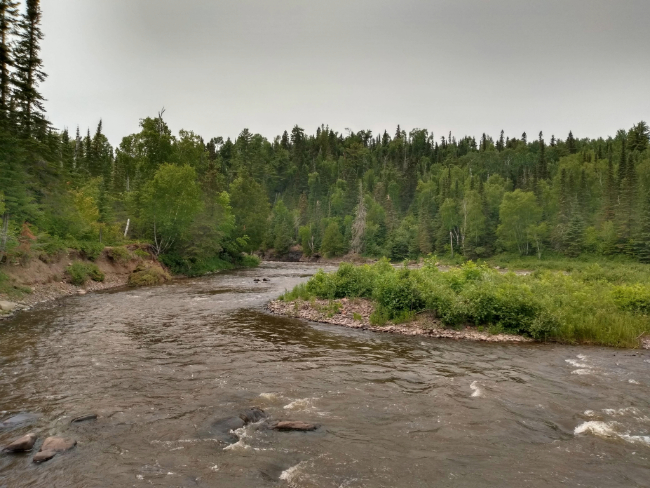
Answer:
(201, 202)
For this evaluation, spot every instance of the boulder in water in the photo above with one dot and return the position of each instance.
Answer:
(252, 415)
(24, 443)
(18, 420)
(58, 444)
(291, 425)
(42, 456)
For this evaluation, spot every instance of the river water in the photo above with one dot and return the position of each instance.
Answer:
(159, 365)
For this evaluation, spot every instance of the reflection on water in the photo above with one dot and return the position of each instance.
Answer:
(160, 364)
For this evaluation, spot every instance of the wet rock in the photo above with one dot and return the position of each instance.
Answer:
(8, 306)
(58, 444)
(222, 429)
(18, 420)
(297, 426)
(266, 279)
(24, 443)
(252, 415)
(256, 280)
(84, 418)
(42, 456)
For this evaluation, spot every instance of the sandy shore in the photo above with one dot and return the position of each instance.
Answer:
(356, 315)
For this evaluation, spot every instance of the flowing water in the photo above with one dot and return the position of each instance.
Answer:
(159, 365)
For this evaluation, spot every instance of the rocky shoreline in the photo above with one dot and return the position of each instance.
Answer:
(47, 292)
(355, 314)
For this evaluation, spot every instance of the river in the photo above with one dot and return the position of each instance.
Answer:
(159, 364)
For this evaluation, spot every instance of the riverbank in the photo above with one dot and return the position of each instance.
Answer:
(37, 281)
(356, 313)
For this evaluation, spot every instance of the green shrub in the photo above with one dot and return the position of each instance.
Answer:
(119, 254)
(250, 261)
(148, 275)
(142, 254)
(634, 298)
(89, 249)
(396, 292)
(81, 272)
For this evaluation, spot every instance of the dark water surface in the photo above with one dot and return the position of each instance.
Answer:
(159, 364)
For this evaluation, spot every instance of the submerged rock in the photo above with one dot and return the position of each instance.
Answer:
(43, 456)
(252, 415)
(223, 429)
(17, 420)
(290, 425)
(58, 444)
(24, 443)
(84, 418)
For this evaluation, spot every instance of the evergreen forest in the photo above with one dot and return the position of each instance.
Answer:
(203, 203)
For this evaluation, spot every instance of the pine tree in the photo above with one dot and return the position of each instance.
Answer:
(542, 170)
(8, 12)
(610, 197)
(574, 238)
(643, 237)
(29, 71)
(571, 144)
(622, 170)
(359, 225)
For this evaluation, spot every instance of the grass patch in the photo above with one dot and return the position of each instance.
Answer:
(80, 273)
(119, 254)
(592, 303)
(10, 289)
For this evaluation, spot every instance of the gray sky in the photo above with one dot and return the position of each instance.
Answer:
(466, 66)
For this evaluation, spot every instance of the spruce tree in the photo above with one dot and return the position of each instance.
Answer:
(610, 197)
(574, 238)
(29, 71)
(571, 144)
(8, 12)
(643, 237)
(542, 170)
(622, 162)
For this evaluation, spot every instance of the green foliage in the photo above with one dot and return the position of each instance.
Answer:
(148, 275)
(80, 272)
(10, 289)
(588, 305)
(634, 298)
(119, 254)
(250, 261)
(89, 250)
(333, 243)
(142, 254)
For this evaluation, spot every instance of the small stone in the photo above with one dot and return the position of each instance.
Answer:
(43, 456)
(58, 444)
(24, 443)
(8, 306)
(81, 292)
(84, 418)
(289, 425)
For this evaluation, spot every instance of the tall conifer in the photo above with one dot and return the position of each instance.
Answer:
(8, 11)
(29, 71)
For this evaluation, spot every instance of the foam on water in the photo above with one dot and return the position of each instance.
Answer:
(609, 430)
(269, 396)
(290, 473)
(576, 364)
(300, 404)
(477, 392)
(582, 371)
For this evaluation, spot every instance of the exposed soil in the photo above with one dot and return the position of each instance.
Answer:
(48, 280)
(356, 313)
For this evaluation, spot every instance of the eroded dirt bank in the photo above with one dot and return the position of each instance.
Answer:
(39, 281)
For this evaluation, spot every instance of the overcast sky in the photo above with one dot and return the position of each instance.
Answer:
(466, 66)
